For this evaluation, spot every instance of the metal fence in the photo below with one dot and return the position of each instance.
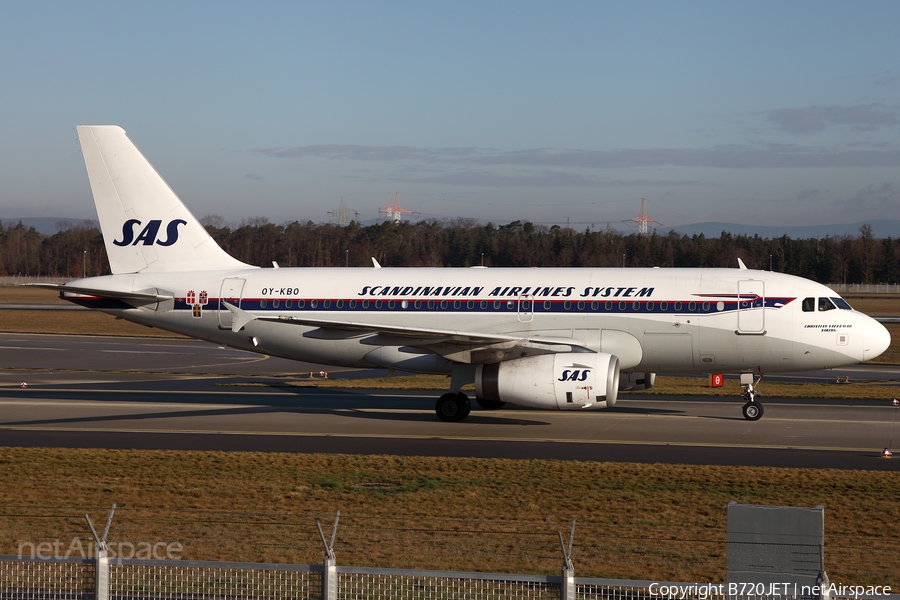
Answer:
(36, 579)
(201, 580)
(135, 579)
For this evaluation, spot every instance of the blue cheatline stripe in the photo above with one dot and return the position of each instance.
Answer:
(648, 307)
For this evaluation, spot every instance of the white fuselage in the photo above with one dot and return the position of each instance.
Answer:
(679, 320)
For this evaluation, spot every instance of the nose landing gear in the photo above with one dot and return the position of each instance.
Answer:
(753, 409)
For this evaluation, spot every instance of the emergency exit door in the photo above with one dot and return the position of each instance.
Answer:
(751, 306)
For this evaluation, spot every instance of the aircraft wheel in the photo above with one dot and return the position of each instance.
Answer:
(467, 406)
(452, 407)
(490, 404)
(752, 411)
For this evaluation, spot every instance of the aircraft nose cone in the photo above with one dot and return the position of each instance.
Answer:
(877, 340)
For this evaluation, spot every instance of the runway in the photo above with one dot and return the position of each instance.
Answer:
(185, 394)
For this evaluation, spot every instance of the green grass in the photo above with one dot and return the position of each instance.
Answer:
(662, 522)
(74, 323)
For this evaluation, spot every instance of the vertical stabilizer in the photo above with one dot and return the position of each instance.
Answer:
(146, 227)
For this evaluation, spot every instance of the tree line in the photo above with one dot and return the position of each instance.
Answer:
(78, 248)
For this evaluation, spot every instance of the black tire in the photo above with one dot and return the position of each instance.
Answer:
(490, 404)
(452, 407)
(466, 405)
(753, 411)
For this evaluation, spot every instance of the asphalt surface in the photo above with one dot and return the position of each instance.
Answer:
(183, 394)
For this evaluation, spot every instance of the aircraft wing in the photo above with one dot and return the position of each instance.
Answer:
(462, 346)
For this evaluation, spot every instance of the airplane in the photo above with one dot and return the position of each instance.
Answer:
(545, 338)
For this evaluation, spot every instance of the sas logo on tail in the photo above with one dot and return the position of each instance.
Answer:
(148, 233)
(575, 375)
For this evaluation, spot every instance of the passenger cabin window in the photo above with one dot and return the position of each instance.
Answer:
(809, 304)
(826, 304)
(841, 303)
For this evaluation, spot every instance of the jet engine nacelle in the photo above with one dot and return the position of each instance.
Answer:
(636, 381)
(566, 381)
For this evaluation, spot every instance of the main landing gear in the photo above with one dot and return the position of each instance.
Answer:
(753, 409)
(453, 407)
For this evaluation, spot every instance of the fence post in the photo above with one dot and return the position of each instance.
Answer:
(329, 574)
(567, 583)
(329, 580)
(822, 579)
(101, 563)
(101, 592)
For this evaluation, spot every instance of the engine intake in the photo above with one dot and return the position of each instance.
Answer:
(565, 381)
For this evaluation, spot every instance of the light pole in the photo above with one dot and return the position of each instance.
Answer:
(84, 265)
(347, 254)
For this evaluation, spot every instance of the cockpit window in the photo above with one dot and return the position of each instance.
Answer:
(809, 304)
(841, 303)
(826, 304)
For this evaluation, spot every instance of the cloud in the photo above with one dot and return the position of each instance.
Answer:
(808, 195)
(369, 153)
(736, 156)
(814, 119)
(883, 199)
(887, 80)
(545, 178)
(254, 177)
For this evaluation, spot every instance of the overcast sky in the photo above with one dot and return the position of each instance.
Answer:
(779, 113)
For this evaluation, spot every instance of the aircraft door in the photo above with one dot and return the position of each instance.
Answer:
(526, 309)
(751, 306)
(232, 291)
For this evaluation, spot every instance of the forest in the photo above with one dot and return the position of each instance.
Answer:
(78, 248)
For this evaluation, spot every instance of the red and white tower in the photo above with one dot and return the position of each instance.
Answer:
(643, 220)
(393, 212)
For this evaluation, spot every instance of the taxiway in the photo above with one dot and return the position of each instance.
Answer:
(87, 391)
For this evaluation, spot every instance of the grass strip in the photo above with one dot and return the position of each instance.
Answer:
(75, 323)
(660, 522)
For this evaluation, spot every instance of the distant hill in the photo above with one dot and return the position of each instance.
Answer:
(880, 229)
(50, 225)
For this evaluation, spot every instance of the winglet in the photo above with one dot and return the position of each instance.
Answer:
(741, 265)
(375, 263)
(239, 317)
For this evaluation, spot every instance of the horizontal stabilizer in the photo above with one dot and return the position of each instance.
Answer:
(85, 291)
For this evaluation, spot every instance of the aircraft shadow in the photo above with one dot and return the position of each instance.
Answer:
(479, 417)
(634, 410)
(358, 413)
